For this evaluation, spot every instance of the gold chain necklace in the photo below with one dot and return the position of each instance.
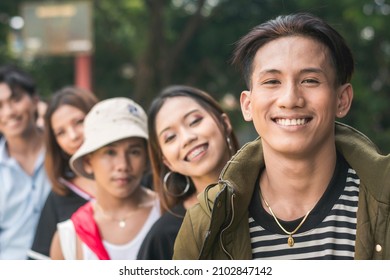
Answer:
(290, 240)
(121, 221)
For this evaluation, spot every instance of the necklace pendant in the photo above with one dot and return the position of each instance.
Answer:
(122, 224)
(290, 241)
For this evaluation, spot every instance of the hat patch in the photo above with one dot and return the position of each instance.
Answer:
(133, 110)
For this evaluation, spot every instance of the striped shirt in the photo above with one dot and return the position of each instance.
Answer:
(328, 233)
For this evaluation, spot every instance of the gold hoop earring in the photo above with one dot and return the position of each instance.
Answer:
(187, 187)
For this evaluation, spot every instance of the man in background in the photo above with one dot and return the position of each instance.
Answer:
(23, 182)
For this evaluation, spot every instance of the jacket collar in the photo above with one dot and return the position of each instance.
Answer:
(364, 157)
(240, 175)
(241, 172)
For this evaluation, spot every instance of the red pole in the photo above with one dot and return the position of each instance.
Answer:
(83, 71)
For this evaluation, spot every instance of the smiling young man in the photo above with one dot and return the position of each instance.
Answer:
(23, 182)
(308, 187)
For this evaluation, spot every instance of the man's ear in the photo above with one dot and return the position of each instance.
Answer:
(246, 108)
(344, 100)
(35, 99)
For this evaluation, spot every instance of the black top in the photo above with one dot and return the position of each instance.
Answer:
(158, 243)
(57, 209)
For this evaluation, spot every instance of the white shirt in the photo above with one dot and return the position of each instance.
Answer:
(126, 251)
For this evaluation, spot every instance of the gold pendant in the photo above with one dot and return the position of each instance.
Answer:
(290, 241)
(122, 224)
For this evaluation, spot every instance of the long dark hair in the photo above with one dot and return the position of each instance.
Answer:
(158, 168)
(56, 160)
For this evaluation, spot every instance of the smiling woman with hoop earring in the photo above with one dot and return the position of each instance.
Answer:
(188, 150)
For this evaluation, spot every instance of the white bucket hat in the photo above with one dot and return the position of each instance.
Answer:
(108, 121)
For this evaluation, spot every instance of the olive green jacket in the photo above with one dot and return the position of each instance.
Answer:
(217, 227)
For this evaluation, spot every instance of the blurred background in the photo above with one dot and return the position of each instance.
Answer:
(134, 48)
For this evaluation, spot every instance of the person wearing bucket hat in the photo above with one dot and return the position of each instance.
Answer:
(114, 154)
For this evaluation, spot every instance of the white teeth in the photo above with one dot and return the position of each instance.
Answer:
(195, 152)
(12, 121)
(291, 122)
